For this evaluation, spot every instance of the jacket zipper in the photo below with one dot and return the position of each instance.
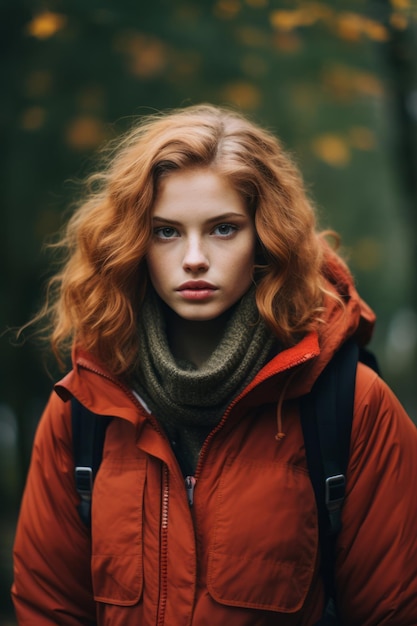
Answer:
(191, 481)
(189, 487)
(163, 581)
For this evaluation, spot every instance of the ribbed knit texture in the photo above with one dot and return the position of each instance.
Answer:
(188, 402)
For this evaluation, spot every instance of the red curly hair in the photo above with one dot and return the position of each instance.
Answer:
(95, 299)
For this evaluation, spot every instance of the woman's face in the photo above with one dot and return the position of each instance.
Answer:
(201, 258)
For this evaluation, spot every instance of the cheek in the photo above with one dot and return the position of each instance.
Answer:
(247, 257)
(241, 271)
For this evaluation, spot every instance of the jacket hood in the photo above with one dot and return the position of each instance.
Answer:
(344, 316)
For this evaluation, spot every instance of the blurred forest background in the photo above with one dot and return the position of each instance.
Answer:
(337, 81)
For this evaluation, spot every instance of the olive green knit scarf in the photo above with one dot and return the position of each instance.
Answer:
(188, 402)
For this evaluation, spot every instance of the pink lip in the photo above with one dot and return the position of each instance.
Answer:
(196, 284)
(196, 290)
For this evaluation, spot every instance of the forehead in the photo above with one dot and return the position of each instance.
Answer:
(200, 190)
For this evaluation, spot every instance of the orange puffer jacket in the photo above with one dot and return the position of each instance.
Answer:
(246, 552)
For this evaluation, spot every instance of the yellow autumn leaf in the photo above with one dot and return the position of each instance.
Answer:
(244, 95)
(376, 31)
(289, 42)
(147, 55)
(226, 9)
(352, 26)
(346, 24)
(398, 21)
(305, 15)
(332, 149)
(46, 24)
(284, 20)
(401, 4)
(367, 84)
(289, 20)
(349, 26)
(85, 132)
(346, 82)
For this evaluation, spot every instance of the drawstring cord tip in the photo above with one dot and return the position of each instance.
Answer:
(279, 436)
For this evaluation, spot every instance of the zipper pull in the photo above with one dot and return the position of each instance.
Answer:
(189, 487)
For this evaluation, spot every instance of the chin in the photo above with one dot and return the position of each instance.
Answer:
(200, 316)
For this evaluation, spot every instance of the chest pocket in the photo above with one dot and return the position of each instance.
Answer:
(264, 549)
(117, 516)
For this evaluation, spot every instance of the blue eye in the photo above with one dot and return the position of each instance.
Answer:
(165, 232)
(225, 230)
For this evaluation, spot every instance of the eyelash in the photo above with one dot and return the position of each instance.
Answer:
(232, 229)
(173, 233)
(158, 232)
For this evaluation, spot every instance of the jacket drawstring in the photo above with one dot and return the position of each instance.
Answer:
(280, 433)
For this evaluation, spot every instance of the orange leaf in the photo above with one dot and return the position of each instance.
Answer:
(85, 132)
(46, 24)
(332, 149)
(226, 9)
(352, 26)
(401, 4)
(398, 21)
(147, 55)
(244, 95)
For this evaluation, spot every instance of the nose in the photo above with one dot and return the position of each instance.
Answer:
(195, 256)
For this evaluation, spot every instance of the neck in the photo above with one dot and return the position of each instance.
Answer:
(193, 340)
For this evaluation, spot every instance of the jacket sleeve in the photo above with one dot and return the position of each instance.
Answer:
(52, 573)
(377, 552)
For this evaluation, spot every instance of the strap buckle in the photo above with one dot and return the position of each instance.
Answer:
(335, 491)
(84, 481)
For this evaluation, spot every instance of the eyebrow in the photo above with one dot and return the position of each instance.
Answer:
(218, 218)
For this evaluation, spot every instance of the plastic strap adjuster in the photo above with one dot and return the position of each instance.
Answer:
(335, 491)
(84, 481)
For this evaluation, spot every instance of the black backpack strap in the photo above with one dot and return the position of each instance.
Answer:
(335, 396)
(88, 432)
(326, 418)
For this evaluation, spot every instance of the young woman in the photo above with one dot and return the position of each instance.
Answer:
(201, 304)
